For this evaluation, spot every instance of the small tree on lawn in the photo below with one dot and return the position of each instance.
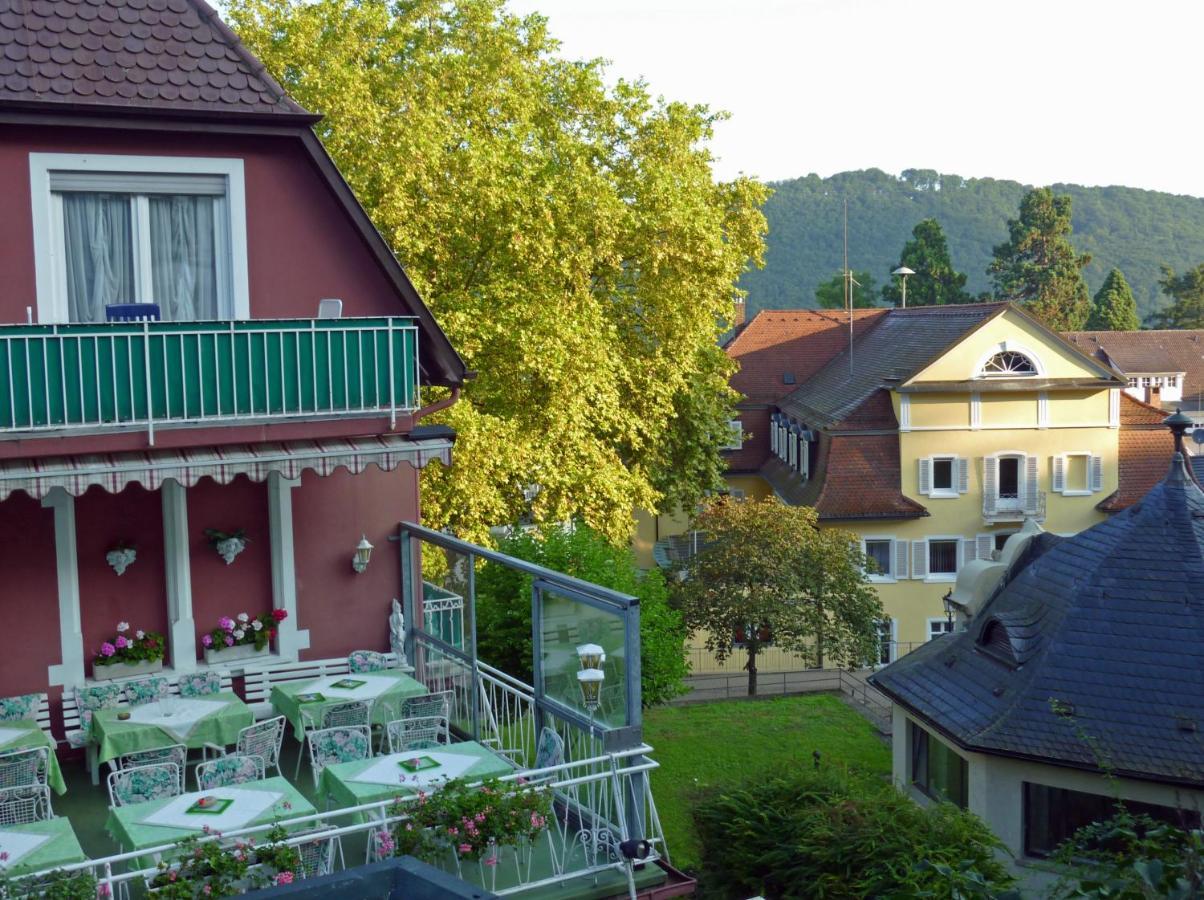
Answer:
(768, 571)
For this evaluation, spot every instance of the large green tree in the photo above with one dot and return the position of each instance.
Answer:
(567, 232)
(936, 282)
(1113, 308)
(1038, 267)
(831, 293)
(1187, 299)
(765, 571)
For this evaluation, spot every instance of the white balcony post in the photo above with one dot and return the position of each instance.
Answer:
(290, 640)
(181, 630)
(70, 671)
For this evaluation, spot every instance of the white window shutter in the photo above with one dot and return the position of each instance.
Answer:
(963, 475)
(1030, 484)
(925, 475)
(919, 559)
(900, 559)
(804, 462)
(969, 550)
(1059, 474)
(1097, 473)
(990, 479)
(986, 545)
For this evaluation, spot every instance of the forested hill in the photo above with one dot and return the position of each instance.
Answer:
(1132, 229)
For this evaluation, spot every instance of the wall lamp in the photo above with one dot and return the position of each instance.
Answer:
(363, 555)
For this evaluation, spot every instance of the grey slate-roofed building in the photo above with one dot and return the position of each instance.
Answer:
(1078, 653)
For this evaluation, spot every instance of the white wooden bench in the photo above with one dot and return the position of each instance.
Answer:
(260, 679)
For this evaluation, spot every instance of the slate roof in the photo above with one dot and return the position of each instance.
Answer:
(1110, 622)
(894, 349)
(134, 55)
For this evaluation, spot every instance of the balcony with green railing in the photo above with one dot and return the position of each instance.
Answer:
(76, 379)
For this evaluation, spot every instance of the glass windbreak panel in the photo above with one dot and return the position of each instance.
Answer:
(446, 610)
(98, 253)
(450, 678)
(184, 257)
(566, 625)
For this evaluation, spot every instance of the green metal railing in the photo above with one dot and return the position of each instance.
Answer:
(56, 378)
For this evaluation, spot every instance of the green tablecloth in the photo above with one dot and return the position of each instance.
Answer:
(36, 737)
(126, 826)
(337, 780)
(61, 850)
(116, 738)
(384, 705)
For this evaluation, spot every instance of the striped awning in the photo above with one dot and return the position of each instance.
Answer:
(116, 471)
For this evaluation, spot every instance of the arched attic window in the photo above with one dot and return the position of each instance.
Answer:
(1008, 364)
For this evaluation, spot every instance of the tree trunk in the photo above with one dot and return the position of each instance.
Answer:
(819, 639)
(751, 665)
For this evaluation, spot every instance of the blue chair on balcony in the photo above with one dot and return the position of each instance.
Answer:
(132, 312)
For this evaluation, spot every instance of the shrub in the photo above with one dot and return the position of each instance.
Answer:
(830, 835)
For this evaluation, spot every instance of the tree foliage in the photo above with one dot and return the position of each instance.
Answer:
(1038, 267)
(936, 282)
(806, 833)
(504, 604)
(1126, 228)
(1113, 307)
(567, 234)
(768, 571)
(831, 293)
(1187, 299)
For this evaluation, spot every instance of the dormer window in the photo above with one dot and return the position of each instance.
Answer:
(996, 642)
(118, 230)
(1009, 364)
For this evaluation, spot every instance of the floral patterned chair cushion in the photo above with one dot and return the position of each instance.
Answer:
(366, 661)
(144, 783)
(550, 749)
(236, 768)
(198, 684)
(146, 690)
(87, 700)
(338, 745)
(14, 709)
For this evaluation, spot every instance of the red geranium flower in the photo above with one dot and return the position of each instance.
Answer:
(280, 614)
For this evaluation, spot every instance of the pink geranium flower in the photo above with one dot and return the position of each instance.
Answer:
(121, 642)
(284, 878)
(229, 641)
(107, 649)
(207, 640)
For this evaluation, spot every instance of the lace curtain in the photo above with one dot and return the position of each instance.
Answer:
(99, 253)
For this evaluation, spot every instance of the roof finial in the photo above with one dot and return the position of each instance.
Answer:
(1178, 424)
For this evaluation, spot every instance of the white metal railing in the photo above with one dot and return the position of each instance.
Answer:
(151, 374)
(593, 801)
(1013, 508)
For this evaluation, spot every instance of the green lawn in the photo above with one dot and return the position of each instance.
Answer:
(728, 741)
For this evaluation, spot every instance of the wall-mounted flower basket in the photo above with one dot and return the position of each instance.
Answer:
(121, 558)
(139, 653)
(242, 636)
(214, 655)
(125, 669)
(227, 544)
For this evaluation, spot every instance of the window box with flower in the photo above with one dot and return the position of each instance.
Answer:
(242, 637)
(129, 653)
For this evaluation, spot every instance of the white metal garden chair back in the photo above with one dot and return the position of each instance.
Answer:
(328, 746)
(339, 715)
(263, 739)
(234, 768)
(22, 805)
(19, 768)
(172, 753)
(436, 704)
(143, 783)
(419, 733)
(318, 855)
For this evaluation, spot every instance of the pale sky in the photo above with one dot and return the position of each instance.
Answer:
(1093, 93)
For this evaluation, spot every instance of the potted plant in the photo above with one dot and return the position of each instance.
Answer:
(205, 866)
(242, 637)
(126, 654)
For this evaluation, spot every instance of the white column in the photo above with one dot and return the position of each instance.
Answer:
(181, 630)
(290, 640)
(70, 671)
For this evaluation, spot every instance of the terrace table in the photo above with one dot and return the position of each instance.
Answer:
(35, 846)
(383, 777)
(155, 822)
(384, 690)
(25, 734)
(193, 721)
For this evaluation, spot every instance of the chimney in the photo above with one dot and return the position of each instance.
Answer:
(737, 312)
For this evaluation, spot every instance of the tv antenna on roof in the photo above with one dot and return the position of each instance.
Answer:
(849, 282)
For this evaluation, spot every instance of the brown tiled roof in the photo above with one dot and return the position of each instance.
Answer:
(1145, 448)
(1149, 352)
(132, 55)
(795, 341)
(863, 483)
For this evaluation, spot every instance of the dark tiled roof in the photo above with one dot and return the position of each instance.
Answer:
(1144, 445)
(133, 55)
(1148, 352)
(795, 341)
(1112, 623)
(894, 349)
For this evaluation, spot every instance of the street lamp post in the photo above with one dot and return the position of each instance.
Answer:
(903, 272)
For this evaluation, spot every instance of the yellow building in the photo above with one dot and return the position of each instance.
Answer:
(933, 435)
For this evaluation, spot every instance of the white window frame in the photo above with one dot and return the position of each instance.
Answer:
(950, 491)
(47, 219)
(893, 640)
(1017, 502)
(1008, 347)
(1061, 468)
(946, 627)
(942, 577)
(736, 436)
(959, 482)
(890, 576)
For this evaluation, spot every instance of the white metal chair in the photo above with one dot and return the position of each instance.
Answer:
(25, 804)
(263, 739)
(172, 753)
(328, 746)
(359, 661)
(20, 768)
(353, 713)
(318, 855)
(143, 783)
(234, 768)
(436, 704)
(421, 733)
